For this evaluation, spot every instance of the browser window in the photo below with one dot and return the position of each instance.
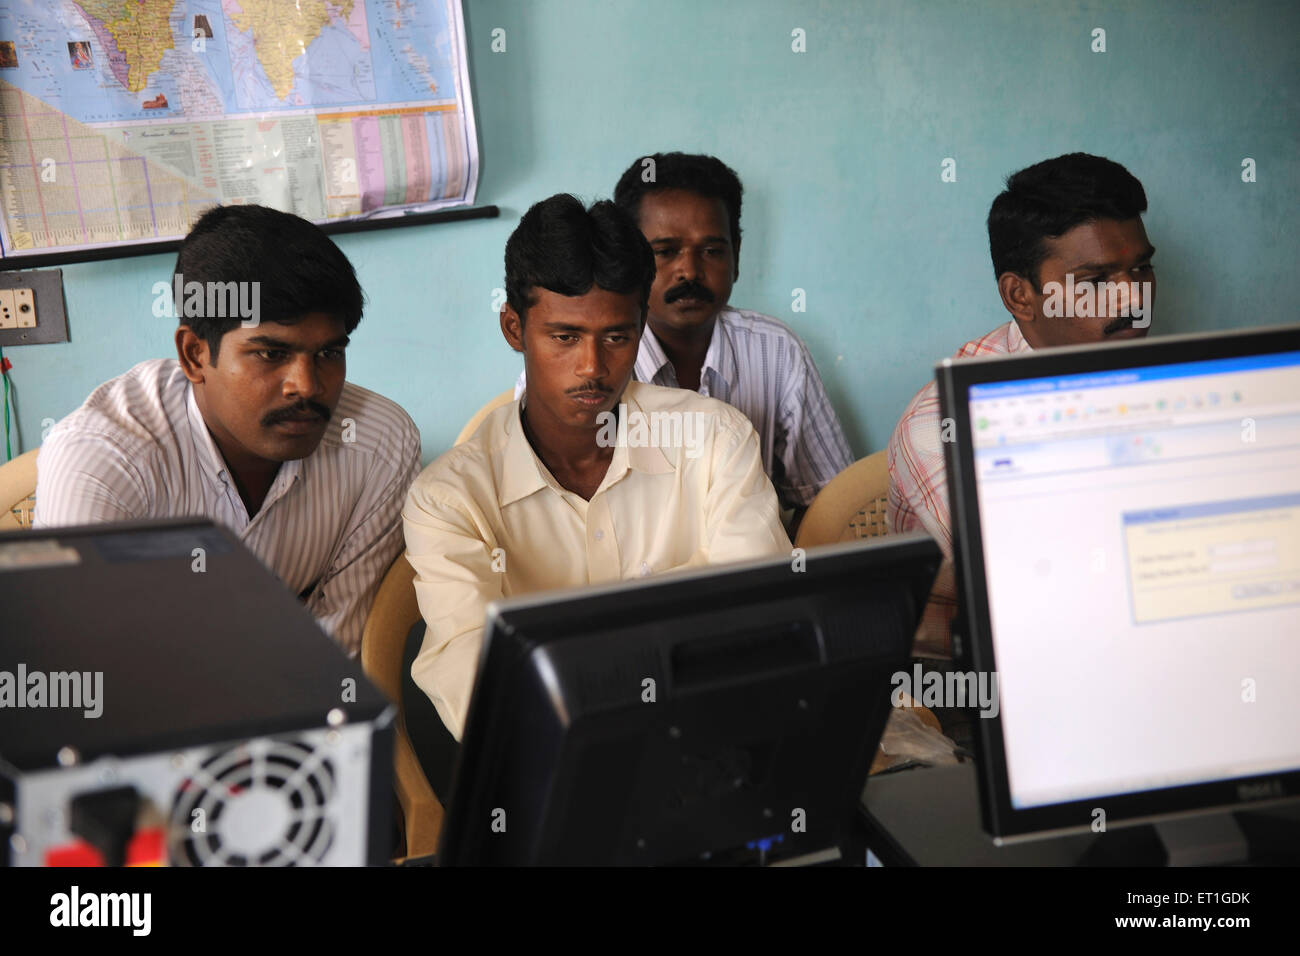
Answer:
(1141, 536)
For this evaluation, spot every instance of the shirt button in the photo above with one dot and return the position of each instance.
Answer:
(645, 570)
(599, 535)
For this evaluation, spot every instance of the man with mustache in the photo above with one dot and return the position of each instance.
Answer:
(543, 495)
(688, 208)
(1070, 223)
(252, 425)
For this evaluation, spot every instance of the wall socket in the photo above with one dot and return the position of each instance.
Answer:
(32, 308)
(8, 311)
(17, 309)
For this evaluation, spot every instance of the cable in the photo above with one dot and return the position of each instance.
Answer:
(4, 373)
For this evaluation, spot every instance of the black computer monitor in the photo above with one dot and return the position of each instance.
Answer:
(720, 715)
(1127, 543)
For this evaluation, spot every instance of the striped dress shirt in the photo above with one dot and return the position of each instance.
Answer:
(757, 364)
(918, 488)
(329, 527)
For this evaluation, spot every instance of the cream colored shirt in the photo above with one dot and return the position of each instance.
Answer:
(487, 520)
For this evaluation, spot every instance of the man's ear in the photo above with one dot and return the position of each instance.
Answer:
(512, 327)
(192, 352)
(1018, 296)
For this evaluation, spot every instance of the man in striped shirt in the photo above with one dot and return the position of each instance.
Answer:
(688, 208)
(252, 425)
(1073, 222)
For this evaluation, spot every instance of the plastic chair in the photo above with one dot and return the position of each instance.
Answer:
(391, 618)
(383, 642)
(18, 491)
(851, 506)
(505, 398)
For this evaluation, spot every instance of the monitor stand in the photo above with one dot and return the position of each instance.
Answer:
(1212, 839)
(931, 817)
(1263, 836)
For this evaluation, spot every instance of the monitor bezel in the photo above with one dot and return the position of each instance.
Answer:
(974, 640)
(899, 555)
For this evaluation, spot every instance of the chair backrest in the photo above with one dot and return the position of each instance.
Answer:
(392, 615)
(18, 491)
(391, 618)
(851, 506)
(471, 426)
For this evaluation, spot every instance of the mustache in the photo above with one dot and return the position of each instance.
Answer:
(299, 410)
(589, 390)
(689, 288)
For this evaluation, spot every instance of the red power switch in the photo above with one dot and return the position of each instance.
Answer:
(80, 853)
(146, 848)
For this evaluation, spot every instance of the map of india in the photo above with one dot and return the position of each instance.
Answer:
(283, 31)
(123, 121)
(134, 33)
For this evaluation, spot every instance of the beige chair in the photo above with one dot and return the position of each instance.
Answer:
(392, 615)
(391, 618)
(851, 506)
(18, 491)
(505, 398)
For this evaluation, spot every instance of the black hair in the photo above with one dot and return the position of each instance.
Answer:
(298, 269)
(704, 175)
(563, 248)
(1050, 198)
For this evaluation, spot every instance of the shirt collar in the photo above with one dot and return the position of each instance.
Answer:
(524, 473)
(213, 462)
(720, 359)
(651, 358)
(210, 459)
(521, 468)
(1016, 340)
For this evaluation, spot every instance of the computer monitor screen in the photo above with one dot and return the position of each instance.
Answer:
(718, 715)
(1127, 520)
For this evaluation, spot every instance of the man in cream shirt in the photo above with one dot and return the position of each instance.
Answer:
(592, 478)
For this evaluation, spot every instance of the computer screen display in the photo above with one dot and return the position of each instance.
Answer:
(1130, 551)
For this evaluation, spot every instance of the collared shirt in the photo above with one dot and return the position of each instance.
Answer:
(329, 527)
(918, 488)
(487, 520)
(757, 364)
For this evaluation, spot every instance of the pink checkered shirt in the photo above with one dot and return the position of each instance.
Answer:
(918, 488)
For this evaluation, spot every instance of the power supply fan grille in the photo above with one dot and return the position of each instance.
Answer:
(263, 803)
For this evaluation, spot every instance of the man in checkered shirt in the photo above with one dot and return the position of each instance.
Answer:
(1078, 216)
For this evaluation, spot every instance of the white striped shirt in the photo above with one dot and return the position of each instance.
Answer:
(757, 364)
(331, 523)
